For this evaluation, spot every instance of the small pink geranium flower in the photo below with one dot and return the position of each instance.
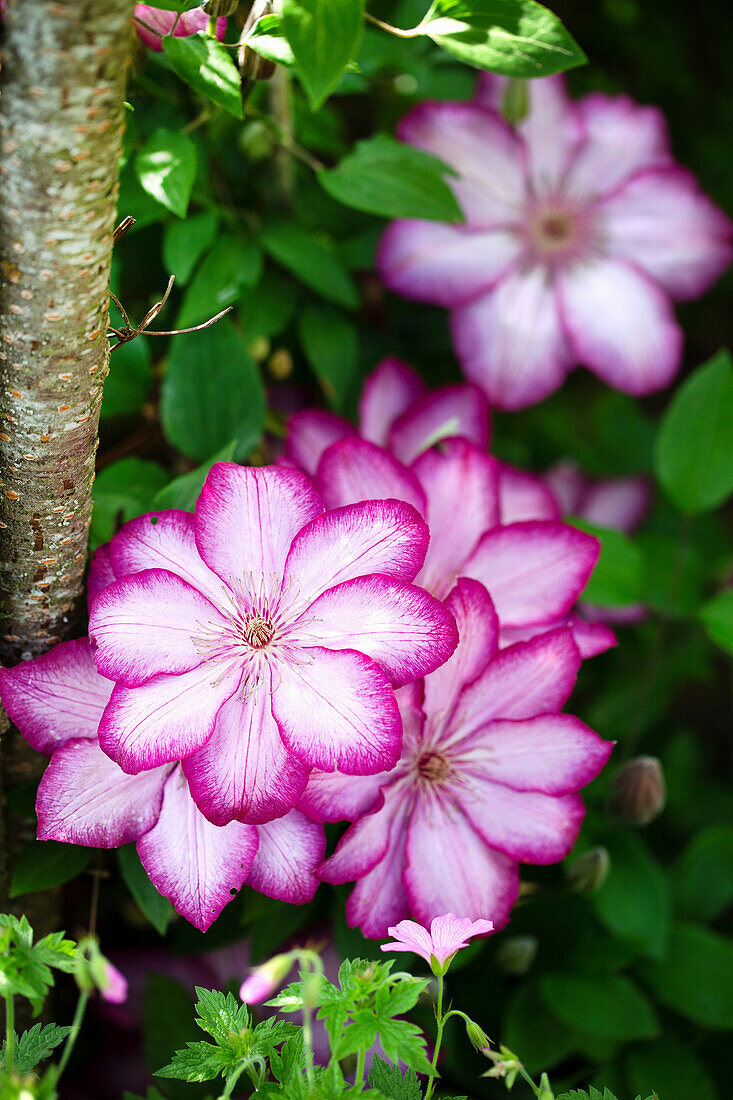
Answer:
(57, 702)
(488, 778)
(153, 24)
(262, 637)
(447, 935)
(580, 230)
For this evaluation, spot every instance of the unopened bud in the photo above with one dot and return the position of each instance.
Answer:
(516, 100)
(545, 1092)
(252, 65)
(478, 1038)
(281, 364)
(515, 955)
(265, 980)
(217, 9)
(638, 792)
(95, 971)
(588, 872)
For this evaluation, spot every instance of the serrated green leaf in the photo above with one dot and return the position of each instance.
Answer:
(313, 262)
(324, 36)
(404, 1042)
(34, 1046)
(203, 63)
(199, 1061)
(156, 908)
(392, 1083)
(220, 1014)
(166, 168)
(44, 864)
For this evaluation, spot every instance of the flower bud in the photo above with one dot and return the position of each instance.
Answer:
(478, 1038)
(265, 980)
(218, 9)
(638, 793)
(515, 955)
(95, 971)
(252, 65)
(588, 872)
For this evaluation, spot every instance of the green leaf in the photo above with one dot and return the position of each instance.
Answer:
(175, 5)
(532, 1029)
(392, 1083)
(266, 309)
(324, 36)
(155, 907)
(404, 1042)
(204, 64)
(166, 168)
(695, 978)
(121, 492)
(702, 880)
(311, 261)
(382, 176)
(183, 491)
(616, 580)
(694, 447)
(34, 1046)
(331, 346)
(231, 267)
(611, 1007)
(129, 380)
(634, 901)
(671, 1069)
(594, 1094)
(184, 243)
(220, 1014)
(518, 38)
(44, 864)
(268, 40)
(717, 618)
(198, 1061)
(212, 393)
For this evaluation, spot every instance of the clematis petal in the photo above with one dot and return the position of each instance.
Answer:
(460, 483)
(365, 842)
(374, 536)
(244, 771)
(246, 518)
(353, 470)
(101, 571)
(621, 326)
(511, 342)
(150, 623)
(57, 696)
(337, 710)
(446, 412)
(534, 571)
(524, 825)
(446, 265)
(521, 681)
(449, 866)
(568, 485)
(591, 638)
(310, 433)
(478, 632)
(196, 865)
(406, 631)
(552, 753)
(662, 222)
(379, 898)
(167, 718)
(331, 796)
(619, 502)
(164, 540)
(388, 391)
(85, 798)
(621, 138)
(488, 190)
(523, 496)
(290, 849)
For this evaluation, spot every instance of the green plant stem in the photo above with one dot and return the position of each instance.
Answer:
(438, 1039)
(74, 1033)
(359, 1069)
(232, 1080)
(9, 1031)
(399, 32)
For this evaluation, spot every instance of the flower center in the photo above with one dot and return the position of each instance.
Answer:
(258, 630)
(553, 231)
(434, 767)
(560, 229)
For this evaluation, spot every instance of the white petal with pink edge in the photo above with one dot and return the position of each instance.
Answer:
(290, 849)
(534, 571)
(337, 710)
(446, 265)
(101, 571)
(331, 796)
(529, 678)
(510, 341)
(374, 536)
(591, 638)
(151, 623)
(310, 432)
(390, 389)
(365, 842)
(460, 483)
(196, 865)
(353, 470)
(85, 798)
(404, 629)
(450, 867)
(523, 496)
(446, 412)
(552, 753)
(246, 519)
(167, 718)
(57, 696)
(619, 502)
(244, 771)
(525, 825)
(379, 898)
(621, 326)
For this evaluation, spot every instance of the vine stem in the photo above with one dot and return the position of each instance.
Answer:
(399, 32)
(359, 1069)
(9, 1032)
(74, 1033)
(438, 1039)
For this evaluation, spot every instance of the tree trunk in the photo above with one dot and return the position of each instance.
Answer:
(62, 82)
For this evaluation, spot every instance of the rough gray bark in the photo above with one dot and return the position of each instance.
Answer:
(62, 84)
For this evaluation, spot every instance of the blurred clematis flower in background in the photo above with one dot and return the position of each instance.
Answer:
(153, 24)
(580, 231)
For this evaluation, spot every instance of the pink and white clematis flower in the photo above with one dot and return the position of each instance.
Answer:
(489, 777)
(620, 503)
(153, 24)
(580, 229)
(57, 702)
(262, 637)
(447, 935)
